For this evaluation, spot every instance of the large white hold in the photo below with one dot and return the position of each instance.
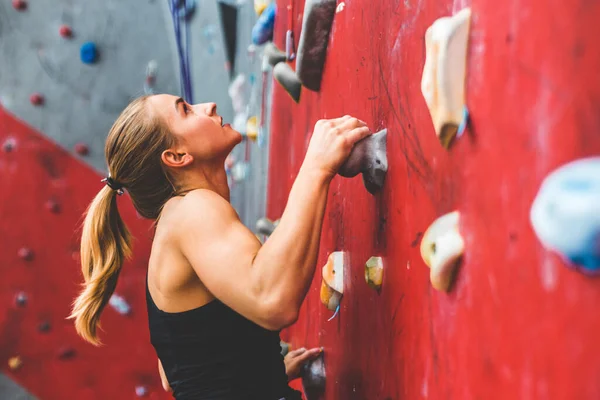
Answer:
(566, 213)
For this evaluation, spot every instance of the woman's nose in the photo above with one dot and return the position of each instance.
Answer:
(210, 109)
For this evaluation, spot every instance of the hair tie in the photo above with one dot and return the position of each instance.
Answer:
(114, 185)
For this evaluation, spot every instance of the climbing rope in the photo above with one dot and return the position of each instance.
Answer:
(180, 10)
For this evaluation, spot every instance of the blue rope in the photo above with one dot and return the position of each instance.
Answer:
(178, 12)
(337, 309)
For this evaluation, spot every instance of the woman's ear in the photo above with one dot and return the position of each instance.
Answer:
(176, 160)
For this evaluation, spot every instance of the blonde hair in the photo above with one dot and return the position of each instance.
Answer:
(133, 154)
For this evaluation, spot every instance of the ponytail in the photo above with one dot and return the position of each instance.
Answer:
(105, 243)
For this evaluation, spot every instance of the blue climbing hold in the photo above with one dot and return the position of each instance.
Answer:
(89, 53)
(565, 214)
(262, 31)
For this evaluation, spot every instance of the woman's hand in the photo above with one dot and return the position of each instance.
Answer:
(331, 143)
(295, 360)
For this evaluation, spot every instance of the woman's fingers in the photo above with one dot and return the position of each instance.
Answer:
(297, 352)
(357, 134)
(310, 354)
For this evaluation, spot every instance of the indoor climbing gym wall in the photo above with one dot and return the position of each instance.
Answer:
(67, 69)
(459, 245)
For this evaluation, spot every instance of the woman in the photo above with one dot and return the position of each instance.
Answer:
(216, 299)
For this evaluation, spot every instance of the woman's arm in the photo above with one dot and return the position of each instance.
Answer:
(267, 285)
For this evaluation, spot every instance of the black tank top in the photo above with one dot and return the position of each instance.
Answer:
(213, 353)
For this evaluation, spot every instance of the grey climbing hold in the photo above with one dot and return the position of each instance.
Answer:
(285, 75)
(369, 157)
(273, 55)
(265, 226)
(285, 348)
(313, 378)
(312, 46)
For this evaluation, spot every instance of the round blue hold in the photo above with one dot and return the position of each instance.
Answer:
(89, 53)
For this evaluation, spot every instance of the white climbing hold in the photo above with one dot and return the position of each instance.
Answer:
(565, 214)
(119, 304)
(441, 248)
(443, 80)
(332, 286)
(340, 7)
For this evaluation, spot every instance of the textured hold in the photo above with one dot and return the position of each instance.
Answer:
(441, 248)
(9, 145)
(82, 149)
(260, 6)
(443, 80)
(262, 31)
(119, 304)
(252, 128)
(285, 75)
(21, 299)
(273, 55)
(67, 353)
(44, 327)
(141, 391)
(265, 226)
(53, 206)
(65, 31)
(314, 38)
(36, 99)
(369, 157)
(285, 348)
(313, 378)
(25, 253)
(14, 363)
(374, 272)
(88, 53)
(19, 4)
(565, 214)
(332, 286)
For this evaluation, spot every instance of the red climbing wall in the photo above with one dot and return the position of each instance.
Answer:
(43, 194)
(518, 324)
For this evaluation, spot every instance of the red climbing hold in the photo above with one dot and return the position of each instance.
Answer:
(65, 31)
(25, 254)
(36, 99)
(19, 4)
(67, 353)
(82, 149)
(53, 206)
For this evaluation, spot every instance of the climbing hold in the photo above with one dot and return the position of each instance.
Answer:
(25, 253)
(443, 80)
(21, 299)
(119, 304)
(66, 353)
(285, 75)
(19, 5)
(313, 377)
(141, 391)
(151, 70)
(340, 7)
(262, 31)
(14, 363)
(252, 128)
(9, 145)
(332, 286)
(36, 99)
(240, 171)
(53, 206)
(565, 213)
(273, 55)
(65, 31)
(265, 226)
(369, 157)
(314, 37)
(285, 348)
(44, 327)
(441, 248)
(88, 53)
(260, 6)
(374, 272)
(82, 149)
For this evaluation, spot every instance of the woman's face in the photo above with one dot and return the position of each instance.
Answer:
(199, 130)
